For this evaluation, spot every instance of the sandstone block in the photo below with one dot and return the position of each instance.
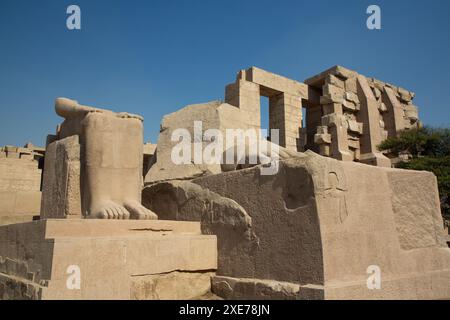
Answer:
(376, 92)
(249, 289)
(332, 90)
(411, 113)
(176, 285)
(344, 73)
(322, 138)
(213, 115)
(276, 82)
(26, 156)
(350, 96)
(350, 85)
(61, 181)
(354, 126)
(10, 149)
(354, 144)
(333, 80)
(350, 106)
(379, 84)
(331, 99)
(405, 95)
(20, 180)
(111, 266)
(382, 107)
(13, 155)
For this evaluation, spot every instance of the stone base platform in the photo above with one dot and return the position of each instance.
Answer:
(105, 259)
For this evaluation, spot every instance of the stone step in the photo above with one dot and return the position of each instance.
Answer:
(112, 259)
(61, 228)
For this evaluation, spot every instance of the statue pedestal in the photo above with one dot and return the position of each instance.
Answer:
(105, 259)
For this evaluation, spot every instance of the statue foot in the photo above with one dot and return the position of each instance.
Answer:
(139, 212)
(111, 210)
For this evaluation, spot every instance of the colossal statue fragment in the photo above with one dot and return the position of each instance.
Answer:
(110, 156)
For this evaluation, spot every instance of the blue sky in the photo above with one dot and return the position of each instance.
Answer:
(154, 57)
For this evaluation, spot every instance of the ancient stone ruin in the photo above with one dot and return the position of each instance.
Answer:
(347, 114)
(120, 219)
(20, 183)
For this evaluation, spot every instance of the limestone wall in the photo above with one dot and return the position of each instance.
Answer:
(20, 184)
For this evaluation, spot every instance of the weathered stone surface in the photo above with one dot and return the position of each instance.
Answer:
(213, 115)
(246, 255)
(334, 220)
(332, 90)
(350, 96)
(354, 126)
(246, 96)
(36, 256)
(372, 133)
(376, 92)
(276, 82)
(332, 108)
(187, 201)
(405, 95)
(61, 228)
(415, 229)
(381, 108)
(331, 79)
(411, 113)
(338, 71)
(20, 181)
(254, 289)
(327, 99)
(176, 285)
(321, 138)
(350, 85)
(149, 157)
(350, 106)
(61, 181)
(285, 115)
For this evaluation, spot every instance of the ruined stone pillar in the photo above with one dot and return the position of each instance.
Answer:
(335, 121)
(396, 121)
(285, 114)
(372, 136)
(61, 193)
(246, 96)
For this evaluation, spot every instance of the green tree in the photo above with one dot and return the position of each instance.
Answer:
(428, 149)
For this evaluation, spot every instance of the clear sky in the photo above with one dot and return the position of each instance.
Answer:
(154, 57)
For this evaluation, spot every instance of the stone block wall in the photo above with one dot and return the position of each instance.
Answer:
(357, 114)
(312, 230)
(20, 184)
(347, 114)
(285, 103)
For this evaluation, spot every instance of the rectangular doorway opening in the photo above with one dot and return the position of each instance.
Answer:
(264, 113)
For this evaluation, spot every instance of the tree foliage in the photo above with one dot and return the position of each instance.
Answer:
(428, 149)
